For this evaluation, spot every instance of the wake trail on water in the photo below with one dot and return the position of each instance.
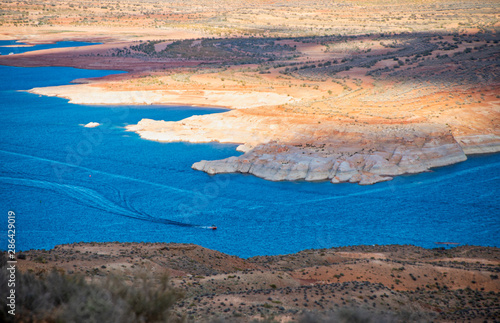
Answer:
(179, 190)
(194, 194)
(91, 198)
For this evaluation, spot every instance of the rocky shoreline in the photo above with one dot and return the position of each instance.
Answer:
(344, 158)
(280, 146)
(328, 151)
(88, 94)
(356, 123)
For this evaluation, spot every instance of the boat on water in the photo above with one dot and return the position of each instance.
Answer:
(213, 227)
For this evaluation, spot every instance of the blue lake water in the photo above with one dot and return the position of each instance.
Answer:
(6, 46)
(67, 183)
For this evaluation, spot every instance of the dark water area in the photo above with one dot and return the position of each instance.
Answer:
(67, 183)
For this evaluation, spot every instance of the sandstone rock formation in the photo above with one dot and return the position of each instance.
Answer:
(92, 125)
(479, 144)
(345, 158)
(88, 94)
(278, 148)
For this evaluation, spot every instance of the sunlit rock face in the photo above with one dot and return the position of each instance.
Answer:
(346, 157)
(292, 150)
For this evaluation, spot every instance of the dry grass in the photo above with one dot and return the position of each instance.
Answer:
(58, 297)
(384, 283)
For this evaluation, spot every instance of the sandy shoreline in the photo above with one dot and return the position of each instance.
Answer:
(88, 94)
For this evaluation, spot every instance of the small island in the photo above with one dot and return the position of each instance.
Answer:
(92, 125)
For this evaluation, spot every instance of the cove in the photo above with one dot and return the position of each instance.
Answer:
(68, 183)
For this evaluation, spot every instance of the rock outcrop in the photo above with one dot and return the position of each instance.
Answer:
(88, 94)
(280, 148)
(92, 125)
(479, 144)
(347, 157)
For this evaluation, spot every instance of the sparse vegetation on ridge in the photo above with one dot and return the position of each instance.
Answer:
(372, 283)
(56, 296)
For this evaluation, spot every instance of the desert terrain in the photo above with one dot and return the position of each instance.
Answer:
(341, 91)
(375, 283)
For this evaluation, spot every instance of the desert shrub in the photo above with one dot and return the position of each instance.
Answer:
(57, 297)
(359, 315)
(148, 299)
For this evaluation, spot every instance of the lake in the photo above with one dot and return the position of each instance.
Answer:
(67, 183)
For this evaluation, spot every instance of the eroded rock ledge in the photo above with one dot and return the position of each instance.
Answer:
(343, 158)
(88, 94)
(288, 150)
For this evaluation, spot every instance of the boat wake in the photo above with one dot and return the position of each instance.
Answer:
(90, 198)
(94, 171)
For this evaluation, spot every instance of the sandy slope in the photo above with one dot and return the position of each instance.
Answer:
(440, 285)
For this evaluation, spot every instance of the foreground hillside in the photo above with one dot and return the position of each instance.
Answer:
(400, 283)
